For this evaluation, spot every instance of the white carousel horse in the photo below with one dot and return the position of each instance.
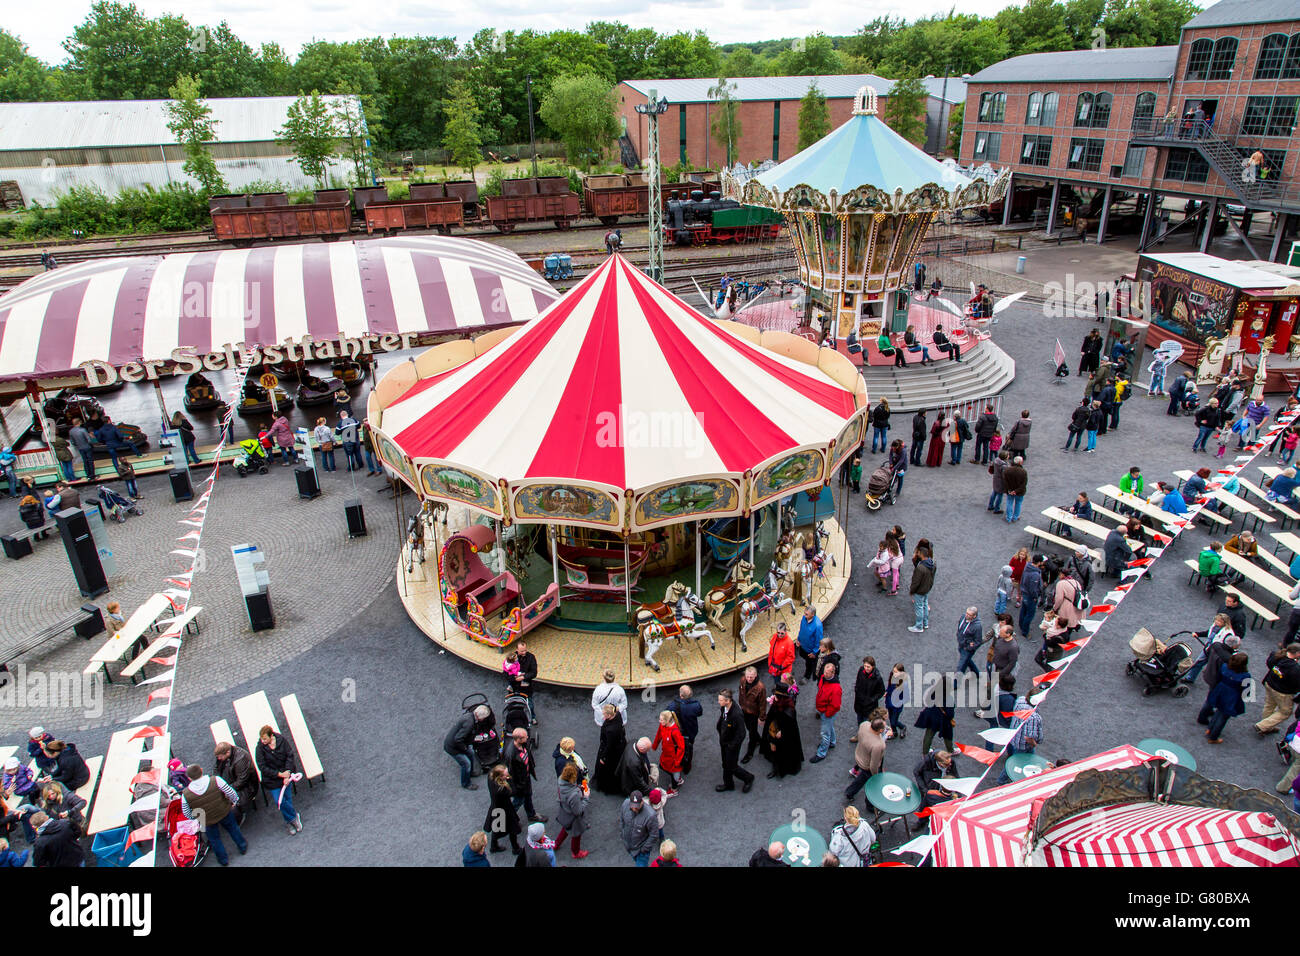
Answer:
(764, 601)
(739, 583)
(671, 619)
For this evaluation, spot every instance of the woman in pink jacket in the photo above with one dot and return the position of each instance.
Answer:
(283, 436)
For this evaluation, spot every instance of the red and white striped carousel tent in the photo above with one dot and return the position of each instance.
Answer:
(141, 308)
(996, 828)
(622, 388)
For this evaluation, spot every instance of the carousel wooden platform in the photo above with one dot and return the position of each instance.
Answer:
(574, 658)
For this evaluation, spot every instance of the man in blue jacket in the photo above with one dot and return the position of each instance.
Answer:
(809, 640)
(1031, 590)
(688, 711)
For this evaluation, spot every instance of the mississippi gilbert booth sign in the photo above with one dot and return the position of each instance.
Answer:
(185, 361)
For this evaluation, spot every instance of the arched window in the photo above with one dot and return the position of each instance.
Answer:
(1225, 56)
(1291, 65)
(1050, 101)
(1083, 110)
(1198, 60)
(1034, 112)
(1101, 111)
(1144, 111)
(1271, 53)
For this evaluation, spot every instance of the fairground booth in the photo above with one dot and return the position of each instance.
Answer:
(610, 479)
(1224, 313)
(71, 336)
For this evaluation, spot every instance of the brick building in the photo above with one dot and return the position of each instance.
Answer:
(767, 112)
(1173, 124)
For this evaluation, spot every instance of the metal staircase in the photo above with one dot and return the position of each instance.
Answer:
(1223, 157)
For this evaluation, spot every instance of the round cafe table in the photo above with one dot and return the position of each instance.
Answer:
(1024, 765)
(888, 793)
(1169, 750)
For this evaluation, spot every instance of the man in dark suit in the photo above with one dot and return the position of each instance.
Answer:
(518, 758)
(731, 736)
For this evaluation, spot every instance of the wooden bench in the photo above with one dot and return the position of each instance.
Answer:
(1243, 508)
(253, 713)
(1148, 525)
(221, 735)
(302, 740)
(1250, 604)
(87, 790)
(1277, 563)
(88, 617)
(143, 658)
(1285, 512)
(1286, 539)
(1258, 576)
(1062, 518)
(1035, 534)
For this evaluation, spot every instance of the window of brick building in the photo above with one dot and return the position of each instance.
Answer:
(993, 107)
(987, 146)
(1134, 159)
(1269, 115)
(1034, 110)
(1085, 154)
(1225, 56)
(1198, 60)
(776, 131)
(1187, 166)
(1144, 110)
(681, 132)
(1272, 51)
(1036, 150)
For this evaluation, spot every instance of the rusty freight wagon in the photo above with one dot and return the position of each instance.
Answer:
(242, 226)
(440, 214)
(544, 199)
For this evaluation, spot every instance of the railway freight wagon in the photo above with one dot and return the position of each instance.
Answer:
(546, 198)
(297, 221)
(440, 214)
(608, 197)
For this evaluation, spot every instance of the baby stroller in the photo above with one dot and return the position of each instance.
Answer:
(117, 506)
(186, 844)
(1161, 666)
(515, 714)
(253, 458)
(1191, 401)
(486, 744)
(882, 487)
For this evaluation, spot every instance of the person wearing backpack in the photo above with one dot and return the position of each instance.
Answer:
(851, 840)
(211, 801)
(1018, 436)
(961, 434)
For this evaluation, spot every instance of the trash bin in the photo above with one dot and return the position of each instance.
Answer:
(1020, 265)
(110, 848)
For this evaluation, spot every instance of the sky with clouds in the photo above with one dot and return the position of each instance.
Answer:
(291, 23)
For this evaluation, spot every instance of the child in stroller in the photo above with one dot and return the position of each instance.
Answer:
(486, 743)
(254, 457)
(1161, 666)
(117, 506)
(515, 714)
(186, 844)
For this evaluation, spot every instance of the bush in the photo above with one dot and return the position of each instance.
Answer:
(302, 196)
(399, 191)
(175, 207)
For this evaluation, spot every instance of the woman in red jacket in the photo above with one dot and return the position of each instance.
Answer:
(673, 749)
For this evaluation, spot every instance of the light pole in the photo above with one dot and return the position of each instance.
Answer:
(532, 138)
(652, 109)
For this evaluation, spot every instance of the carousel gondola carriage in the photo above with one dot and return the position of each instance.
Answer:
(255, 400)
(200, 395)
(317, 391)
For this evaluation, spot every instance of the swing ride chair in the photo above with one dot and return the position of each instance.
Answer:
(486, 606)
(600, 574)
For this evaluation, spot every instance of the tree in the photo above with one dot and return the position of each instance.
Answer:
(905, 109)
(461, 135)
(23, 78)
(123, 55)
(355, 136)
(190, 121)
(629, 50)
(743, 61)
(582, 112)
(814, 117)
(310, 132)
(956, 115)
(725, 125)
(809, 56)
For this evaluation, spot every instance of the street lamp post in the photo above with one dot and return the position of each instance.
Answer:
(652, 109)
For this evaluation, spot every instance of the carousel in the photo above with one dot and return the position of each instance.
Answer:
(859, 202)
(610, 479)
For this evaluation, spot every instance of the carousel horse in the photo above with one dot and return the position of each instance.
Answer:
(672, 619)
(415, 540)
(739, 583)
(764, 601)
(776, 578)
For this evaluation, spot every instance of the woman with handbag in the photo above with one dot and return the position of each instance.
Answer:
(851, 840)
(325, 441)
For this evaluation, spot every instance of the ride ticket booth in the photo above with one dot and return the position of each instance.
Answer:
(1205, 302)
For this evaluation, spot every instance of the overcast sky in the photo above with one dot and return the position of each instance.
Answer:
(291, 23)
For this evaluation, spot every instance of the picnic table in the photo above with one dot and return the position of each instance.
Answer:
(1286, 539)
(308, 759)
(1090, 528)
(1285, 512)
(120, 766)
(140, 622)
(1145, 507)
(1036, 534)
(1258, 576)
(1160, 537)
